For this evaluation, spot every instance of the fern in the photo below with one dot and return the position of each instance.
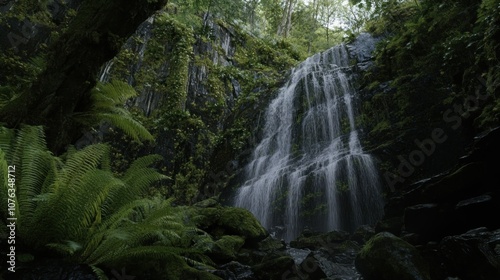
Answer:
(28, 153)
(75, 206)
(137, 179)
(108, 101)
(4, 185)
(99, 272)
(69, 247)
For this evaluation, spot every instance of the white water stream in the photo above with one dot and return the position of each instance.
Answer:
(310, 170)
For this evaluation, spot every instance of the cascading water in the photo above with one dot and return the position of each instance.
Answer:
(310, 170)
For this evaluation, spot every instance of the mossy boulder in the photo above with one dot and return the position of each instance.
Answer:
(209, 202)
(387, 257)
(262, 251)
(271, 244)
(226, 248)
(220, 221)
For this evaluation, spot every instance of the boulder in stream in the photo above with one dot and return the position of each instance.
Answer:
(387, 257)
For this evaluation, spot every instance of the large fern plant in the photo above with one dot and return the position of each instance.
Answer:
(108, 101)
(76, 206)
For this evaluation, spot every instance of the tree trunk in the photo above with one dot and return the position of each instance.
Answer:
(94, 36)
(286, 20)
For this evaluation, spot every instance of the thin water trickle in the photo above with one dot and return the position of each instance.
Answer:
(310, 170)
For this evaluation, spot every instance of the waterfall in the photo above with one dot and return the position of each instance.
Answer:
(310, 170)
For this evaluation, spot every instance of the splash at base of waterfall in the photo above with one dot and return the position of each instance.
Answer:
(310, 170)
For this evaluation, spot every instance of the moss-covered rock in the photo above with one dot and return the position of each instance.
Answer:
(226, 248)
(209, 202)
(387, 257)
(243, 223)
(219, 221)
(271, 244)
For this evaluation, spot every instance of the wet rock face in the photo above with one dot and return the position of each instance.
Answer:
(235, 271)
(242, 248)
(26, 36)
(424, 219)
(387, 257)
(328, 255)
(473, 255)
(456, 201)
(451, 217)
(362, 49)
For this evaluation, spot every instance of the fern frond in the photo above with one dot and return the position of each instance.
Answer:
(99, 272)
(140, 173)
(6, 138)
(113, 93)
(115, 217)
(68, 248)
(116, 227)
(4, 186)
(35, 174)
(108, 101)
(27, 140)
(84, 200)
(81, 162)
(27, 151)
(77, 198)
(137, 179)
(75, 208)
(142, 162)
(127, 123)
(205, 264)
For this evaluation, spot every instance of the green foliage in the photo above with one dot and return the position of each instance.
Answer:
(227, 246)
(228, 221)
(107, 105)
(34, 11)
(75, 206)
(172, 31)
(433, 58)
(17, 73)
(187, 182)
(195, 124)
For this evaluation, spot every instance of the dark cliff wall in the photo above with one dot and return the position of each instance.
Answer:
(201, 89)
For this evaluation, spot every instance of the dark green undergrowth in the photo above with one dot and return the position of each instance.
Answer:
(437, 67)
